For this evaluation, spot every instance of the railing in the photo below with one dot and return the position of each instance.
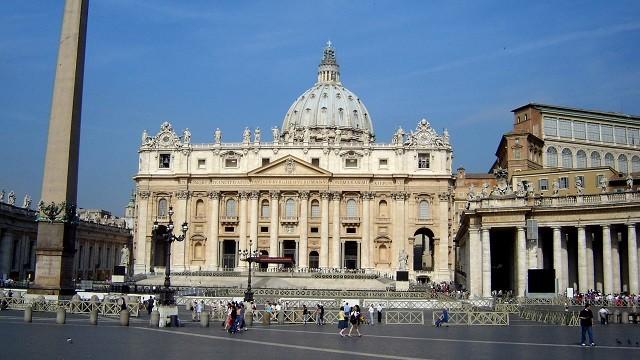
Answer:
(72, 306)
(350, 220)
(567, 318)
(555, 200)
(398, 317)
(507, 307)
(561, 300)
(482, 318)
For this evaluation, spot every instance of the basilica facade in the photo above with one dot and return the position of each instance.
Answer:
(321, 191)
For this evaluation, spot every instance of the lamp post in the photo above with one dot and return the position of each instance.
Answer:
(249, 256)
(164, 233)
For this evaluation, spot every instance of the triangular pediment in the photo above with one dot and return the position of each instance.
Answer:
(290, 166)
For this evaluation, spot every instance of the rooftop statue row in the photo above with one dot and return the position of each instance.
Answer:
(11, 199)
(423, 136)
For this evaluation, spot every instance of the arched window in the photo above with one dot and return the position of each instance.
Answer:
(596, 160)
(581, 159)
(231, 208)
(423, 209)
(289, 208)
(200, 208)
(198, 251)
(315, 208)
(552, 157)
(623, 167)
(567, 158)
(352, 209)
(162, 207)
(635, 163)
(264, 208)
(382, 209)
(383, 254)
(608, 160)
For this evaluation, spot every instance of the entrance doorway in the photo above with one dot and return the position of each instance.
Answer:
(423, 249)
(502, 259)
(350, 255)
(229, 254)
(264, 266)
(289, 251)
(159, 253)
(314, 260)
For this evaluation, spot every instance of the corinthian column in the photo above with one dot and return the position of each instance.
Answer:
(557, 259)
(400, 240)
(632, 250)
(607, 267)
(178, 248)
(273, 234)
(214, 224)
(303, 251)
(242, 221)
(521, 258)
(324, 230)
(335, 238)
(366, 239)
(253, 213)
(143, 249)
(582, 260)
(475, 262)
(486, 263)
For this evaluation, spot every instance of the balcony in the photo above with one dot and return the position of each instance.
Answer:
(350, 220)
(229, 220)
(289, 220)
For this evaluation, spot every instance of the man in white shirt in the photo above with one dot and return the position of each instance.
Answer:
(371, 320)
(603, 314)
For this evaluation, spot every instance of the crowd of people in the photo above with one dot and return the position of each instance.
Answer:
(595, 296)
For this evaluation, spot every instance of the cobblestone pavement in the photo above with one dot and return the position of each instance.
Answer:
(43, 339)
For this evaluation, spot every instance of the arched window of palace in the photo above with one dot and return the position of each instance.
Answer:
(352, 209)
(199, 208)
(383, 254)
(315, 208)
(264, 208)
(423, 209)
(608, 161)
(623, 167)
(290, 208)
(596, 160)
(552, 157)
(162, 207)
(382, 209)
(567, 158)
(231, 209)
(635, 163)
(581, 159)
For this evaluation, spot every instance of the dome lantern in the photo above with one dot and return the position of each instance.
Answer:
(329, 70)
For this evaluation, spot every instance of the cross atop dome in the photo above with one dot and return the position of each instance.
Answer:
(329, 70)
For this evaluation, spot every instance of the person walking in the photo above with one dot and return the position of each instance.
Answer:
(317, 315)
(586, 325)
(379, 308)
(342, 321)
(321, 314)
(444, 317)
(371, 310)
(603, 314)
(305, 313)
(355, 320)
(199, 306)
(150, 305)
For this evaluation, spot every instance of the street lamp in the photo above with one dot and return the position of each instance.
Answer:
(164, 233)
(249, 256)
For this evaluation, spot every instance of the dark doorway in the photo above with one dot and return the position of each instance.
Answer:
(502, 259)
(229, 254)
(264, 266)
(423, 249)
(314, 260)
(351, 254)
(289, 251)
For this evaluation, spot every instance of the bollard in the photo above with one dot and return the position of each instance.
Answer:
(625, 317)
(248, 317)
(93, 317)
(204, 319)
(616, 317)
(281, 318)
(28, 314)
(154, 320)
(124, 317)
(61, 316)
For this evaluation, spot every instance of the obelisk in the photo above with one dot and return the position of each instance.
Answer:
(57, 223)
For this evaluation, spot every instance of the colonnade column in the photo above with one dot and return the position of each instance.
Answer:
(582, 260)
(615, 262)
(557, 259)
(242, 224)
(324, 230)
(475, 262)
(6, 251)
(590, 269)
(521, 258)
(632, 250)
(142, 257)
(178, 248)
(253, 212)
(365, 246)
(303, 250)
(607, 267)
(335, 238)
(273, 229)
(214, 230)
(486, 263)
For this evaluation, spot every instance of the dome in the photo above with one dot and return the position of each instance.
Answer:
(328, 106)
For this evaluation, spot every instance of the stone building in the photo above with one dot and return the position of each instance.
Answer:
(565, 199)
(321, 191)
(98, 246)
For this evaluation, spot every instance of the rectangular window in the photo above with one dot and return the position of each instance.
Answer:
(543, 184)
(581, 178)
(634, 136)
(314, 230)
(383, 163)
(550, 126)
(231, 163)
(265, 161)
(564, 127)
(600, 179)
(593, 132)
(516, 154)
(229, 228)
(165, 161)
(423, 161)
(315, 162)
(264, 229)
(351, 230)
(621, 135)
(607, 133)
(202, 164)
(351, 163)
(579, 130)
(563, 182)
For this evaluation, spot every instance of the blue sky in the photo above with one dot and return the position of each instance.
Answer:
(205, 64)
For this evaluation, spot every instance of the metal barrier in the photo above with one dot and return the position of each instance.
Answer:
(507, 307)
(72, 307)
(404, 317)
(566, 318)
(483, 318)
